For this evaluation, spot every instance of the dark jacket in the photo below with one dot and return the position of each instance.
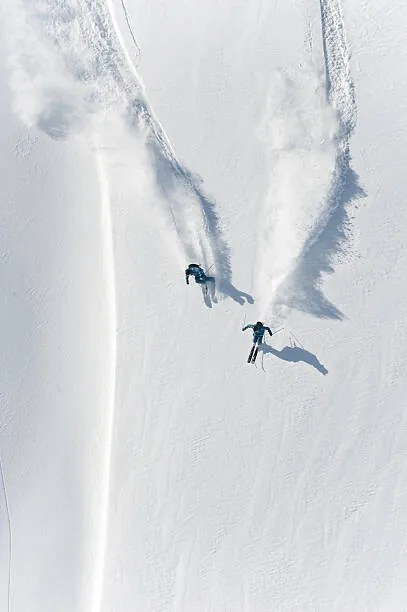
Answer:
(195, 271)
(258, 331)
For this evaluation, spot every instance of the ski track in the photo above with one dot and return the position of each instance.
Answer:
(130, 29)
(307, 220)
(110, 277)
(332, 229)
(90, 71)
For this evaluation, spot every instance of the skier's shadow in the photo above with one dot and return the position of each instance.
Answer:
(240, 297)
(209, 294)
(226, 287)
(295, 354)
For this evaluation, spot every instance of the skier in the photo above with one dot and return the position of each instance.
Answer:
(197, 272)
(258, 332)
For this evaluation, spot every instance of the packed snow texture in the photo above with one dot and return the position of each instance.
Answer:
(144, 465)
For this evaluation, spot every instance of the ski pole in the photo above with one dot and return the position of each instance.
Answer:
(296, 340)
(279, 330)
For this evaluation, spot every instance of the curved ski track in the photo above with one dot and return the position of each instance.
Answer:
(88, 51)
(329, 235)
(110, 274)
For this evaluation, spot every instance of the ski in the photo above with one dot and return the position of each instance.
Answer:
(251, 354)
(255, 354)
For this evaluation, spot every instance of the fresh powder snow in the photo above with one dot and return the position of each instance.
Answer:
(144, 464)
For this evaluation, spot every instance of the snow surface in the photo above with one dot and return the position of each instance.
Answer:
(144, 464)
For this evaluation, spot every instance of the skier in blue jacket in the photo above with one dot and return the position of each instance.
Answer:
(197, 272)
(258, 333)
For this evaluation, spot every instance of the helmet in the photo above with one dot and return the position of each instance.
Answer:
(259, 323)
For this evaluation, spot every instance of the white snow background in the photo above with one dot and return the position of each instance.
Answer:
(145, 466)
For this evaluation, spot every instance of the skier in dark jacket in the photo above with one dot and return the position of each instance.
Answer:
(197, 272)
(258, 333)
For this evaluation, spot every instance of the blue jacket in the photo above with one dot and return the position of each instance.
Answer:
(258, 331)
(195, 271)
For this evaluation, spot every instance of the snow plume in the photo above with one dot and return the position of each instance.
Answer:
(46, 93)
(69, 67)
(311, 120)
(329, 236)
(299, 131)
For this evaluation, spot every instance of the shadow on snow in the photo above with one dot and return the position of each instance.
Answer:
(295, 354)
(171, 176)
(302, 290)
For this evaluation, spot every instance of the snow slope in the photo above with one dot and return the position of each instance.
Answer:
(145, 465)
